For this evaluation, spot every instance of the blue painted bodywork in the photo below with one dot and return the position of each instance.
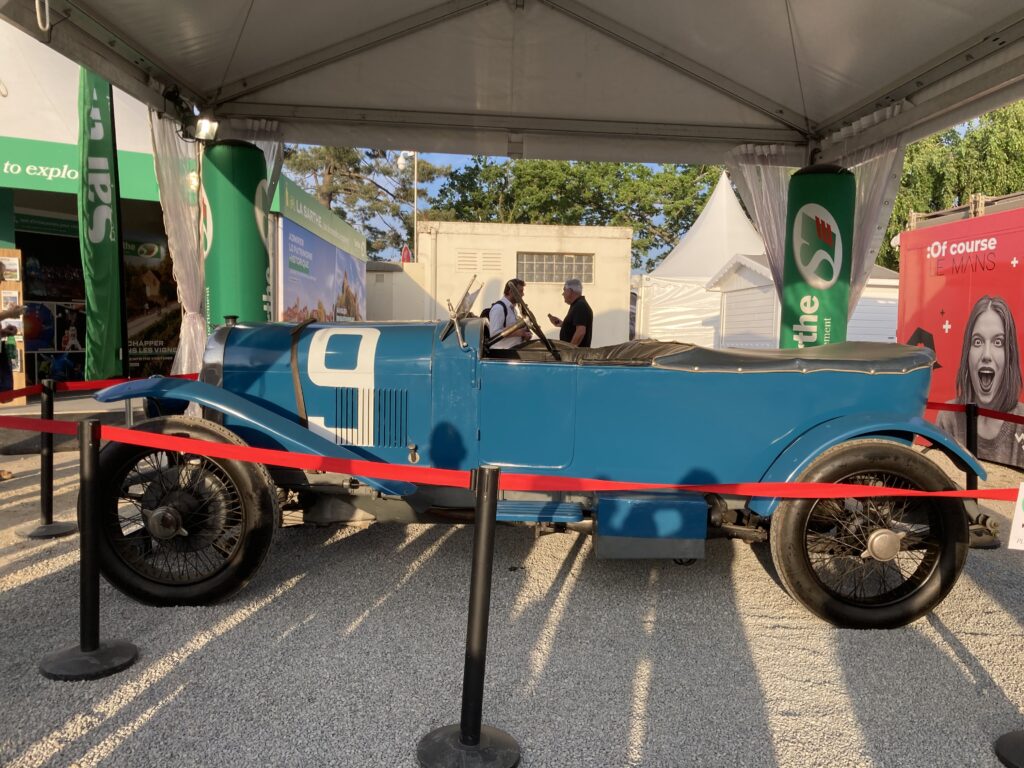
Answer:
(405, 393)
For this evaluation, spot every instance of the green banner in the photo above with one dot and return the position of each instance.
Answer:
(236, 267)
(816, 275)
(49, 166)
(99, 228)
(297, 205)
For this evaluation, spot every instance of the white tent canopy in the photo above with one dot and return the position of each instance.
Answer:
(720, 232)
(673, 302)
(594, 79)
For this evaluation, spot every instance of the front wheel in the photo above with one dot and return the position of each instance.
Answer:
(182, 528)
(872, 563)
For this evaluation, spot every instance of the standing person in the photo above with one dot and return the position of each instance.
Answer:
(990, 376)
(577, 327)
(502, 315)
(6, 375)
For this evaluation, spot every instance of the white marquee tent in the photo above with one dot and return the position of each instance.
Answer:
(673, 302)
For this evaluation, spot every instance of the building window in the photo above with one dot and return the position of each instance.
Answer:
(554, 267)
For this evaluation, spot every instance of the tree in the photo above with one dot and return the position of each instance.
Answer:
(990, 157)
(365, 188)
(928, 184)
(659, 203)
(984, 156)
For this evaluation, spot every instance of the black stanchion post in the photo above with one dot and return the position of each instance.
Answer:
(91, 659)
(1010, 749)
(47, 529)
(469, 742)
(971, 434)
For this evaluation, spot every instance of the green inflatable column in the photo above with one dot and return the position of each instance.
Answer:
(236, 265)
(816, 276)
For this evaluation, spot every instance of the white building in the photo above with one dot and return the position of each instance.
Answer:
(545, 256)
(751, 312)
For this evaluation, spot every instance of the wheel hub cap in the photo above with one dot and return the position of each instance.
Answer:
(163, 523)
(883, 544)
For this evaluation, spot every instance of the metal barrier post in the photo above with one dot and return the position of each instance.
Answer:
(47, 529)
(90, 659)
(469, 742)
(1009, 749)
(971, 435)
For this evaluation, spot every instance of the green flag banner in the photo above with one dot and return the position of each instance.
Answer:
(816, 274)
(99, 228)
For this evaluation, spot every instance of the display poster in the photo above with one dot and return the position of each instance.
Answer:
(54, 295)
(151, 304)
(319, 280)
(962, 295)
(11, 269)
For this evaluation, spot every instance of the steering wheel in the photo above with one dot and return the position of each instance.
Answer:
(533, 325)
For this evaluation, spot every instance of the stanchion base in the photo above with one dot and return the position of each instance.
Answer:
(1010, 749)
(48, 531)
(76, 664)
(443, 748)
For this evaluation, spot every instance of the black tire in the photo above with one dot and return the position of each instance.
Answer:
(817, 544)
(227, 510)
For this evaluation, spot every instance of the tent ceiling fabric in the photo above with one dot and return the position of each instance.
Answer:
(581, 79)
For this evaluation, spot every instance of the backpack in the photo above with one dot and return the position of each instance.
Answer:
(486, 314)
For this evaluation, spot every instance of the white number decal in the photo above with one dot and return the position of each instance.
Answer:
(359, 378)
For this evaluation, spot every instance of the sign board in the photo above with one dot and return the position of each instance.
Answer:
(962, 294)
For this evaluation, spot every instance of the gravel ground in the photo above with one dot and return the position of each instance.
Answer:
(347, 647)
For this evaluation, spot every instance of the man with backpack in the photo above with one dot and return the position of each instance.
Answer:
(502, 315)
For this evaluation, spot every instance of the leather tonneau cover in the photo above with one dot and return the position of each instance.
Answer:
(852, 356)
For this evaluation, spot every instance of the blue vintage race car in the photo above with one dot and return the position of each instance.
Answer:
(188, 529)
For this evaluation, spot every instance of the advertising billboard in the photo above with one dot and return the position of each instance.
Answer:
(322, 261)
(962, 294)
(319, 279)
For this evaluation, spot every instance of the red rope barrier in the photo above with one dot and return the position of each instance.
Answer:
(78, 386)
(461, 478)
(961, 408)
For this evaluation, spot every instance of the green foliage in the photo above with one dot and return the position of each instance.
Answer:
(365, 188)
(928, 184)
(986, 157)
(658, 203)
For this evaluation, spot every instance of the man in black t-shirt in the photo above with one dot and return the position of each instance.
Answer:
(577, 327)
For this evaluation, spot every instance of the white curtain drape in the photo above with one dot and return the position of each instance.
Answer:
(761, 173)
(177, 173)
(877, 169)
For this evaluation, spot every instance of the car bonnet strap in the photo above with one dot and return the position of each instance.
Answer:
(300, 401)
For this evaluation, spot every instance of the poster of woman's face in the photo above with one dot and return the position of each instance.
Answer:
(989, 372)
(962, 295)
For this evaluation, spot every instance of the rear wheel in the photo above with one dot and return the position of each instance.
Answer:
(182, 528)
(871, 563)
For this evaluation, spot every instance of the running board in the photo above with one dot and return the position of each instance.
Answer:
(539, 512)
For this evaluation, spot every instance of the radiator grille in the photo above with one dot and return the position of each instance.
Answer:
(379, 417)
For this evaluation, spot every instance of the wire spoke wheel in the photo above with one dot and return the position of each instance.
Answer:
(837, 543)
(194, 492)
(871, 562)
(182, 528)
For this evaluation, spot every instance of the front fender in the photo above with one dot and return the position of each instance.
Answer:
(791, 463)
(279, 432)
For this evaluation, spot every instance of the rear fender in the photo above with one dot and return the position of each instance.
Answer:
(791, 463)
(278, 431)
